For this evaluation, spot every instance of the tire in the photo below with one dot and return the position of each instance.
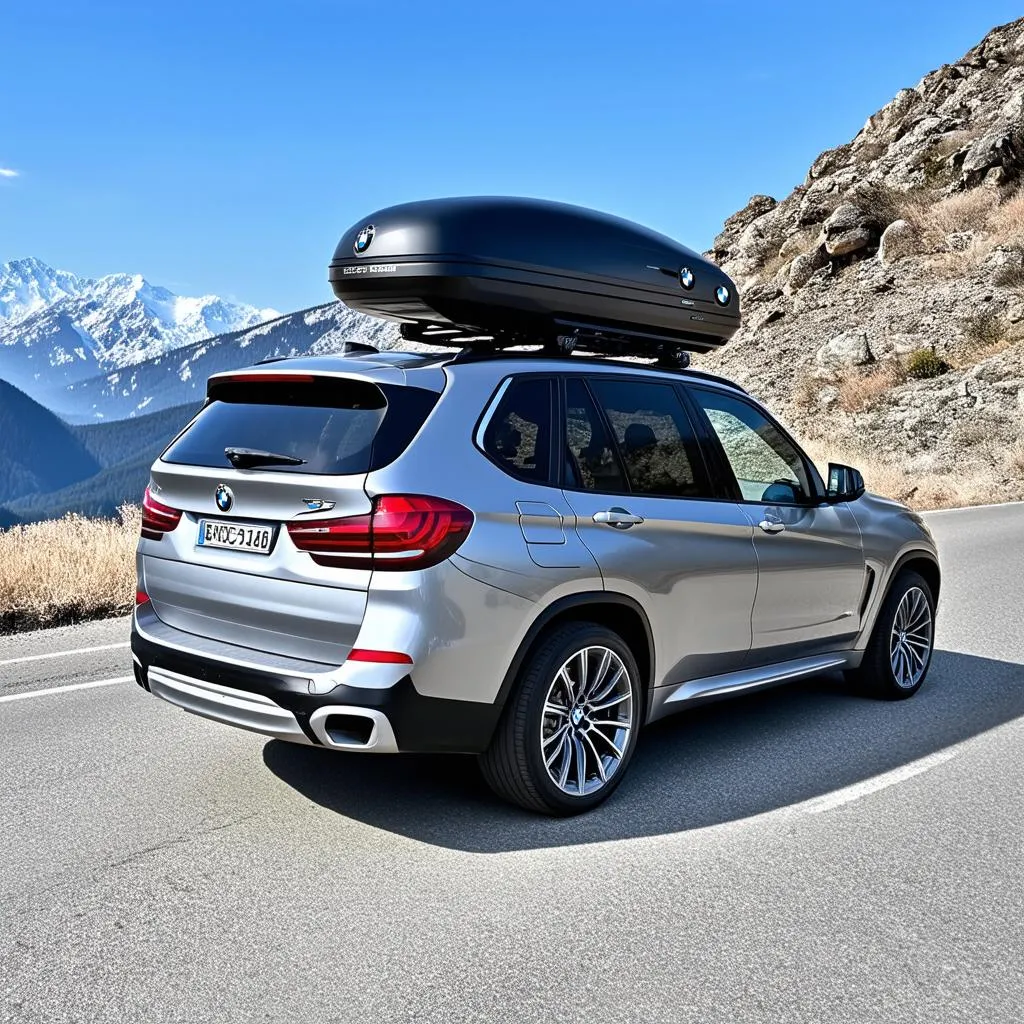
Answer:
(877, 676)
(528, 736)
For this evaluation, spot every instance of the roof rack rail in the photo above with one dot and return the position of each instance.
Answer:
(565, 338)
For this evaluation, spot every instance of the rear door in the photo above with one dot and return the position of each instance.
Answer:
(811, 568)
(327, 433)
(636, 479)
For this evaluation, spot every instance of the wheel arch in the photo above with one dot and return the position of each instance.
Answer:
(924, 564)
(618, 612)
(921, 561)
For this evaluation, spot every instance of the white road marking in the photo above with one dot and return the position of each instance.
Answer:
(66, 689)
(970, 508)
(64, 654)
(861, 789)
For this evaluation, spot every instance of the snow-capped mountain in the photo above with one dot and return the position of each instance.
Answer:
(179, 377)
(29, 285)
(57, 329)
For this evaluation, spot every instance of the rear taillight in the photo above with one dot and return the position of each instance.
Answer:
(141, 597)
(403, 531)
(157, 518)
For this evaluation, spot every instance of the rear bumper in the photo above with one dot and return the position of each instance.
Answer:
(279, 704)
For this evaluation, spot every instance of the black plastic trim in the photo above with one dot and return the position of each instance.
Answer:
(421, 724)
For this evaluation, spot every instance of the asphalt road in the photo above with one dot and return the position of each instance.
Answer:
(801, 855)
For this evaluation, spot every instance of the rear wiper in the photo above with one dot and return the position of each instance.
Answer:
(246, 458)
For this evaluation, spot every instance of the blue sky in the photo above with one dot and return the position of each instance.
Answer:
(223, 147)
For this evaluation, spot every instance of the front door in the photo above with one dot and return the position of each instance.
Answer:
(811, 568)
(636, 480)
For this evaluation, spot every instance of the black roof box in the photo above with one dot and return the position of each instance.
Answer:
(525, 270)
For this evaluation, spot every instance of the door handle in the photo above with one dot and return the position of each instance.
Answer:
(771, 524)
(618, 517)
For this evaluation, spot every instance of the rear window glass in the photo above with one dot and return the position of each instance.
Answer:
(333, 426)
(518, 435)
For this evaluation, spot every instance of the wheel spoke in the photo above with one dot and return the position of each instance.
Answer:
(584, 657)
(615, 749)
(581, 765)
(612, 723)
(602, 774)
(594, 680)
(558, 734)
(612, 683)
(563, 773)
(917, 657)
(908, 669)
(610, 703)
(556, 709)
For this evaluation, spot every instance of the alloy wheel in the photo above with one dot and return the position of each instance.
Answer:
(587, 721)
(910, 642)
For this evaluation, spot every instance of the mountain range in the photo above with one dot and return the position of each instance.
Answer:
(883, 318)
(97, 376)
(57, 328)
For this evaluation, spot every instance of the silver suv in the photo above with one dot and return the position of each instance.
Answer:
(519, 556)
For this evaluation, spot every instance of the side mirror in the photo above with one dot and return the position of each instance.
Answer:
(844, 483)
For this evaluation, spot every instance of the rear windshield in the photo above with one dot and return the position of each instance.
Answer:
(334, 426)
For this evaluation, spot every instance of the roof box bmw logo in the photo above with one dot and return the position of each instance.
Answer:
(363, 240)
(686, 278)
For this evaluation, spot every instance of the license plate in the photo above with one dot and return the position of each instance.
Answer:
(237, 536)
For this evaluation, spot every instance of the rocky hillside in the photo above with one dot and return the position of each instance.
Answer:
(884, 298)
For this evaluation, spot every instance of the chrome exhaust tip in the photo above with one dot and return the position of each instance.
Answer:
(352, 728)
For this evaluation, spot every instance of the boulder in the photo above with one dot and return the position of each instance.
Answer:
(756, 207)
(762, 292)
(804, 266)
(829, 161)
(848, 229)
(898, 240)
(996, 151)
(850, 348)
(793, 246)
(891, 121)
(815, 205)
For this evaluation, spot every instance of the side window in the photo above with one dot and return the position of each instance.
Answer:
(591, 462)
(518, 435)
(653, 436)
(767, 466)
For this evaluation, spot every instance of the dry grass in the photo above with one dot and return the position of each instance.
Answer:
(67, 570)
(893, 479)
(861, 389)
(772, 266)
(994, 225)
(965, 211)
(1006, 222)
(985, 335)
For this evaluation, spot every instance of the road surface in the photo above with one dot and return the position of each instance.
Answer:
(800, 855)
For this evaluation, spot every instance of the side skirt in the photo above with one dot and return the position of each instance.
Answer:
(672, 698)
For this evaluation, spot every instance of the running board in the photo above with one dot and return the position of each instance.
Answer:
(670, 698)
